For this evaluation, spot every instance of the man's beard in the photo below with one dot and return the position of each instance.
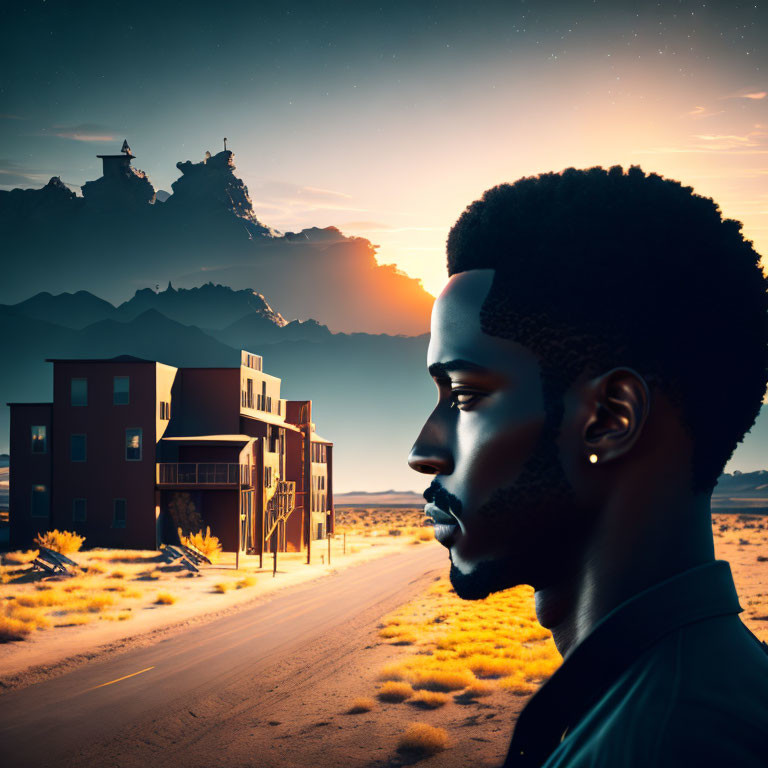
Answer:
(540, 496)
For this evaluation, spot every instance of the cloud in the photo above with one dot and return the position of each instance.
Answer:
(298, 193)
(699, 112)
(755, 95)
(750, 143)
(11, 117)
(83, 132)
(365, 225)
(289, 201)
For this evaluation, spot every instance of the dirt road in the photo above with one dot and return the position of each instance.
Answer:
(218, 694)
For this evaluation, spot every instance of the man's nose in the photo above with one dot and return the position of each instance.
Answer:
(429, 456)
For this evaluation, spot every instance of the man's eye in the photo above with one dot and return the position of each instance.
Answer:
(464, 399)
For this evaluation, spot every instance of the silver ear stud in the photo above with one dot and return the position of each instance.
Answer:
(593, 458)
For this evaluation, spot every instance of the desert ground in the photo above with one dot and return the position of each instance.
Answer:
(419, 676)
(120, 598)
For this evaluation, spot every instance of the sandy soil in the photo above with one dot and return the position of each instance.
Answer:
(298, 714)
(57, 649)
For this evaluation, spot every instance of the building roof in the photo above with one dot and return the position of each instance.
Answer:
(270, 418)
(117, 359)
(190, 439)
(317, 439)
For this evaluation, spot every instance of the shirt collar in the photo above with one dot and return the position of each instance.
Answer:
(613, 644)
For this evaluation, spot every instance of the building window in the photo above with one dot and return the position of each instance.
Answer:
(119, 513)
(165, 411)
(40, 506)
(79, 510)
(133, 444)
(78, 447)
(78, 392)
(121, 389)
(39, 439)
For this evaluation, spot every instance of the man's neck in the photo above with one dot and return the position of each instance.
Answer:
(635, 546)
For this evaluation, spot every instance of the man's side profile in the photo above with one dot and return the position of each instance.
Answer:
(599, 350)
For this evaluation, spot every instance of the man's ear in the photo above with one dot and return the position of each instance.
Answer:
(618, 403)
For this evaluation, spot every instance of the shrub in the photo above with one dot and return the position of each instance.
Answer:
(222, 587)
(207, 544)
(165, 598)
(246, 581)
(392, 691)
(360, 705)
(423, 739)
(63, 542)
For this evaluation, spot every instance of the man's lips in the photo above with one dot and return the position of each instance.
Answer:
(446, 525)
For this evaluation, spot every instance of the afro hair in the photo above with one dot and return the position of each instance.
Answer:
(600, 268)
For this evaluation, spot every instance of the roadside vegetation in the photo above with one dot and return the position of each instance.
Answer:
(118, 584)
(455, 652)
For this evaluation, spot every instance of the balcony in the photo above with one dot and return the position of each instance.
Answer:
(207, 474)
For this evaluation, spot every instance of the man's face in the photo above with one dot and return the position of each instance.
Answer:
(510, 514)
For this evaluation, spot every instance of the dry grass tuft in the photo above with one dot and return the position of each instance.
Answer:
(517, 686)
(222, 587)
(13, 629)
(392, 691)
(360, 705)
(19, 557)
(122, 616)
(478, 689)
(64, 542)
(246, 581)
(429, 699)
(165, 598)
(443, 679)
(423, 739)
(17, 622)
(75, 620)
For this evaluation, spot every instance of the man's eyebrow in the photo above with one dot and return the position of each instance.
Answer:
(439, 370)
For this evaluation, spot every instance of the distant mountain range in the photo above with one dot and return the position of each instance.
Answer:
(738, 491)
(371, 392)
(121, 236)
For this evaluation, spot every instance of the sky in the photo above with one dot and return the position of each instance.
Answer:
(386, 120)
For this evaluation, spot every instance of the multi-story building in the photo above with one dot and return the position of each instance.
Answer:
(130, 450)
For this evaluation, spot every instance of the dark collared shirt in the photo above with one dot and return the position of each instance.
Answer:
(671, 677)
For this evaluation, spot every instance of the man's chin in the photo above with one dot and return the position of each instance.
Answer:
(484, 579)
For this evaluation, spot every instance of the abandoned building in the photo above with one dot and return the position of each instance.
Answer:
(131, 450)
